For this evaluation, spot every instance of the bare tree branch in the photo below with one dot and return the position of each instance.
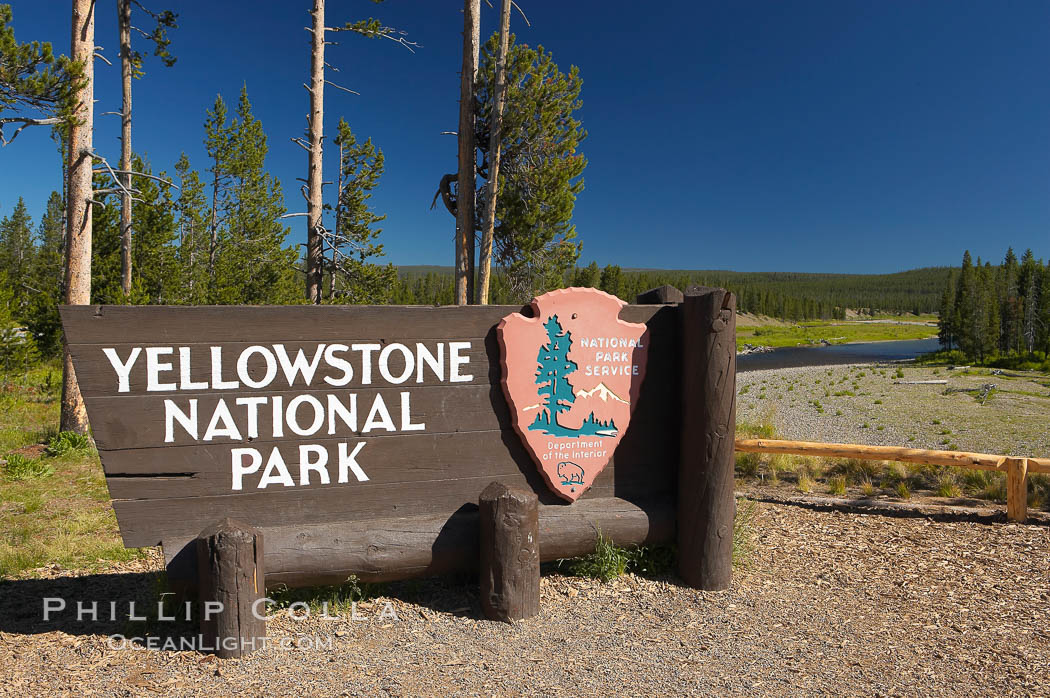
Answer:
(340, 87)
(133, 173)
(522, 13)
(25, 121)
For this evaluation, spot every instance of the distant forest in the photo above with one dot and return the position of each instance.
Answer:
(786, 295)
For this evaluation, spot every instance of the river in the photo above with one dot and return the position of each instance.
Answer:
(852, 353)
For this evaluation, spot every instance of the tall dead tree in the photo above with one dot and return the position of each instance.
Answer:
(488, 223)
(467, 154)
(78, 201)
(126, 69)
(313, 143)
(130, 68)
(315, 206)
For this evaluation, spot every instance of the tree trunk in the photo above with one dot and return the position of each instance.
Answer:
(314, 254)
(78, 204)
(488, 224)
(124, 15)
(338, 225)
(467, 164)
(213, 242)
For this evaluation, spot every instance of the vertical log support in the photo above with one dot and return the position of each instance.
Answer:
(231, 582)
(706, 505)
(660, 295)
(510, 553)
(1017, 489)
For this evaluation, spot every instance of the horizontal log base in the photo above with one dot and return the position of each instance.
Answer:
(392, 549)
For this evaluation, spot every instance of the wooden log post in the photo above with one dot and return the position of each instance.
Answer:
(706, 505)
(231, 581)
(1017, 489)
(659, 295)
(510, 552)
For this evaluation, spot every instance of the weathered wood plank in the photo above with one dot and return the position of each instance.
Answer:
(146, 522)
(165, 325)
(120, 423)
(649, 439)
(386, 549)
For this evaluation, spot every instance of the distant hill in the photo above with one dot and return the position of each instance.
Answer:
(793, 295)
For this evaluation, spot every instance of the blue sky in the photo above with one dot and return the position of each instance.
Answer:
(834, 136)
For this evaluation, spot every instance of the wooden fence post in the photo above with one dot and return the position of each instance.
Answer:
(510, 552)
(1017, 489)
(706, 505)
(231, 581)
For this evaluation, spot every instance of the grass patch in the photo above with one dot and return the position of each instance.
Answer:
(744, 531)
(834, 332)
(63, 518)
(609, 561)
(333, 598)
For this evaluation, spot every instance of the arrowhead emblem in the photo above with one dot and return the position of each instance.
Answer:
(572, 374)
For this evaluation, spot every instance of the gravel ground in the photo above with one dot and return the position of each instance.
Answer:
(831, 602)
(1013, 422)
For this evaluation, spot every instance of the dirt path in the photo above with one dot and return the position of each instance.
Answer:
(831, 603)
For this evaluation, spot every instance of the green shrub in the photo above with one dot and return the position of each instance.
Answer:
(18, 467)
(68, 442)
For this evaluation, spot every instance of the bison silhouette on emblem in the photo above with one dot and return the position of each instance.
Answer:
(570, 473)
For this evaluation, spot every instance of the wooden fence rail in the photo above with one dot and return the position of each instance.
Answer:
(1016, 468)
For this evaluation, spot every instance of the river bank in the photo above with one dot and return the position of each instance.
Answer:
(866, 404)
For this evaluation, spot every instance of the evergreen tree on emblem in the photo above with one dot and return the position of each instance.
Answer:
(552, 375)
(556, 392)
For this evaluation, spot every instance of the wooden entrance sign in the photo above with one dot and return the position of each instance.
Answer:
(358, 439)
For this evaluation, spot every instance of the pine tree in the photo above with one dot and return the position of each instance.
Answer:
(1043, 312)
(612, 280)
(1028, 282)
(587, 277)
(193, 234)
(540, 168)
(354, 241)
(966, 307)
(36, 87)
(946, 329)
(155, 268)
(217, 143)
(254, 266)
(1009, 304)
(45, 277)
(16, 252)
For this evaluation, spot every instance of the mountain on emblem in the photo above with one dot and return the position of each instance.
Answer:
(572, 374)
